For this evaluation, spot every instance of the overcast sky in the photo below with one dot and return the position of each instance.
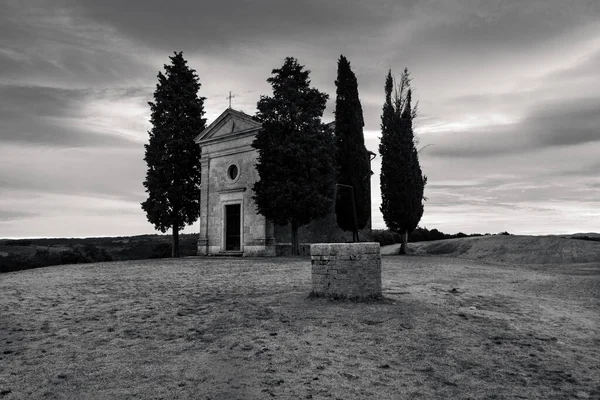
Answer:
(508, 92)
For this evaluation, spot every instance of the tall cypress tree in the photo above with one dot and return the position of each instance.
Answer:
(173, 176)
(353, 164)
(402, 181)
(295, 151)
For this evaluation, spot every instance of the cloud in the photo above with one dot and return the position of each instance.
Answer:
(507, 91)
(61, 117)
(116, 174)
(479, 26)
(44, 45)
(565, 122)
(12, 215)
(68, 215)
(582, 70)
(220, 27)
(514, 191)
(560, 123)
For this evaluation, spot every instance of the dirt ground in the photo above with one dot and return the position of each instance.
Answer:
(246, 329)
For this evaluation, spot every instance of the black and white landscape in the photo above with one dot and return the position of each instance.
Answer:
(254, 126)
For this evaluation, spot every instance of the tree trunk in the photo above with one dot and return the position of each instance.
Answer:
(175, 245)
(403, 241)
(295, 244)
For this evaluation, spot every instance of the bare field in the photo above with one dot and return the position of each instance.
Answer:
(246, 329)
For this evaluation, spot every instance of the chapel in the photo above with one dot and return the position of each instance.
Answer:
(229, 222)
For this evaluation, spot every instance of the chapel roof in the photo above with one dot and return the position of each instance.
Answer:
(226, 115)
(232, 113)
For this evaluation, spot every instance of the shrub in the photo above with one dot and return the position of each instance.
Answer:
(593, 239)
(43, 258)
(94, 254)
(19, 242)
(384, 237)
(162, 250)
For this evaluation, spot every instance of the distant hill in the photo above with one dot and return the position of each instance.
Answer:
(511, 249)
(588, 234)
(21, 254)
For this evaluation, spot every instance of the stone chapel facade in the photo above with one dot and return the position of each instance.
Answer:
(229, 222)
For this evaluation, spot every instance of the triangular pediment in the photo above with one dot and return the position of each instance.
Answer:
(230, 123)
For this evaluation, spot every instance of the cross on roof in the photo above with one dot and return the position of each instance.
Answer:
(230, 97)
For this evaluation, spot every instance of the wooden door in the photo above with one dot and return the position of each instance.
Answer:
(233, 225)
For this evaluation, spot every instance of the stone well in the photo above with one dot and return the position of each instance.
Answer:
(346, 270)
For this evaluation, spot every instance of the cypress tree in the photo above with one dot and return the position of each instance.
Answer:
(352, 158)
(402, 181)
(173, 177)
(295, 151)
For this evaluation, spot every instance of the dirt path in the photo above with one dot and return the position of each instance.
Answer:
(245, 329)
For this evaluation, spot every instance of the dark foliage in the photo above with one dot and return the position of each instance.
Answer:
(161, 250)
(154, 246)
(295, 151)
(386, 237)
(44, 257)
(592, 239)
(426, 235)
(18, 242)
(47, 252)
(352, 158)
(173, 176)
(402, 182)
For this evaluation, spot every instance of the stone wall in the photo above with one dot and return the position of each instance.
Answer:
(346, 270)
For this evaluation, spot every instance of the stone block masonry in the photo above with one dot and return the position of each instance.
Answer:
(346, 270)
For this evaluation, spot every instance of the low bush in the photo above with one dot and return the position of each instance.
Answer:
(162, 250)
(156, 247)
(593, 239)
(45, 257)
(17, 242)
(386, 237)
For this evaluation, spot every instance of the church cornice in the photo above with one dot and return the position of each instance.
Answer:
(228, 114)
(227, 152)
(228, 137)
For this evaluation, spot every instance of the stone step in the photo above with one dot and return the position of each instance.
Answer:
(228, 254)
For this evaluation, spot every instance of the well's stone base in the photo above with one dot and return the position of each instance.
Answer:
(346, 270)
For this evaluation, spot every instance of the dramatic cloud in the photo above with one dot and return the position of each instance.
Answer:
(508, 97)
(114, 173)
(560, 124)
(11, 215)
(223, 26)
(72, 117)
